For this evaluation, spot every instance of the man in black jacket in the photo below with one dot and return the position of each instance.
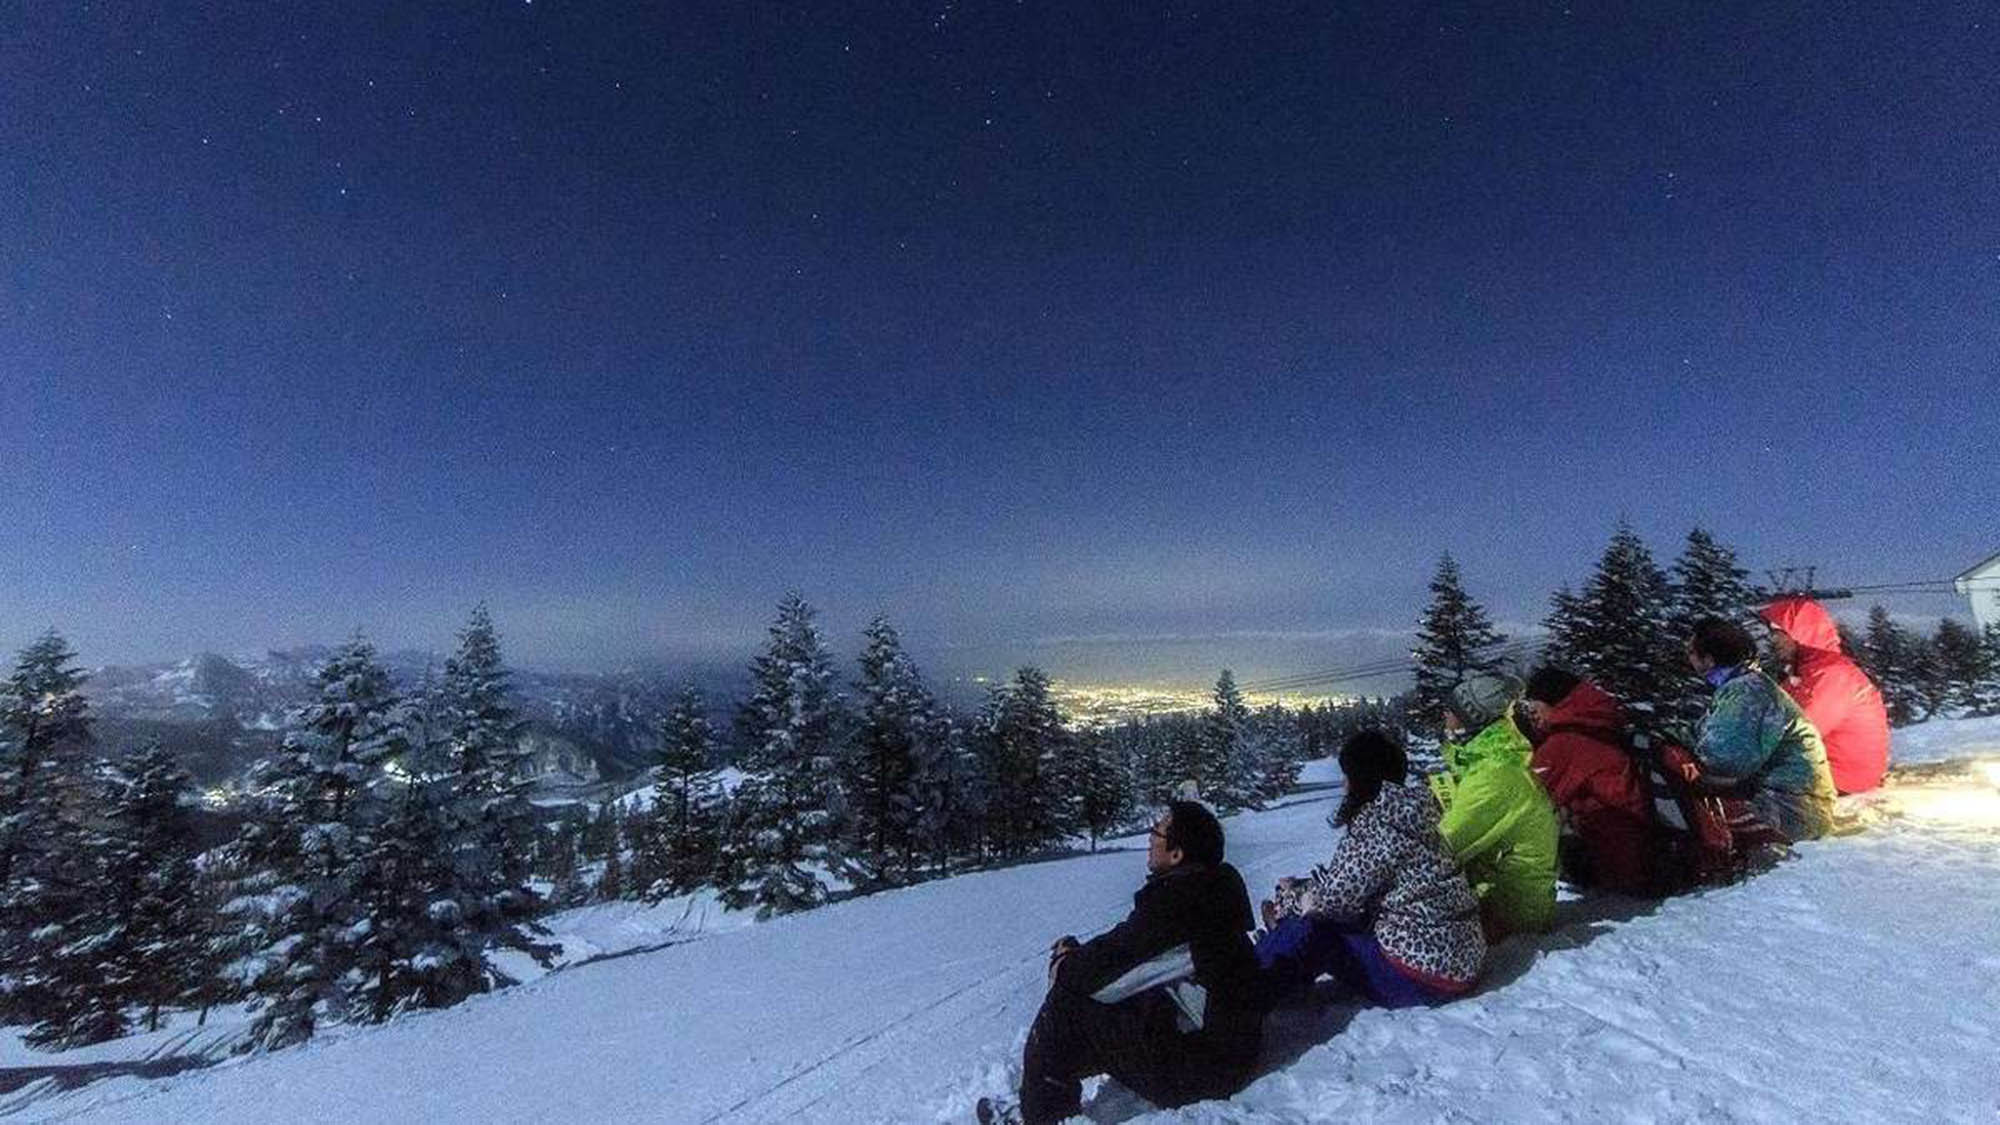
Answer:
(1165, 1001)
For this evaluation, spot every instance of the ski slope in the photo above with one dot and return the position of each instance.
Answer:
(1858, 982)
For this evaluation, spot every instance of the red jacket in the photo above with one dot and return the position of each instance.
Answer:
(1583, 764)
(1835, 694)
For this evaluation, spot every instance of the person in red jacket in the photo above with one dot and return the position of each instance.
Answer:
(1833, 691)
(1580, 757)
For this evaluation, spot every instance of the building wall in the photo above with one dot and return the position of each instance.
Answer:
(1986, 602)
(1982, 588)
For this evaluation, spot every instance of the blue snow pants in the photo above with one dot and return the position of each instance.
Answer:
(1299, 948)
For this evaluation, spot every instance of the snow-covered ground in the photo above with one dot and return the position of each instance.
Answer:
(1945, 740)
(1858, 982)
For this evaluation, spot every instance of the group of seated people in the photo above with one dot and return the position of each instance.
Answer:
(1424, 877)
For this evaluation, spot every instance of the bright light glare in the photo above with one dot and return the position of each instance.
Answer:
(1992, 771)
(1967, 805)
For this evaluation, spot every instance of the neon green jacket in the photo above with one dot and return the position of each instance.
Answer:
(1500, 825)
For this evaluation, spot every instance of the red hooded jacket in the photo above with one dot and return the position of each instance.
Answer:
(1583, 764)
(1835, 694)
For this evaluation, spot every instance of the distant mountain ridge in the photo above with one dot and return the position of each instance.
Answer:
(220, 714)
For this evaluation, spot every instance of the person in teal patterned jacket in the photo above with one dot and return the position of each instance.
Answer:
(1755, 739)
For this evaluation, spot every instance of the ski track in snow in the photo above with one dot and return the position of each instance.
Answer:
(1857, 982)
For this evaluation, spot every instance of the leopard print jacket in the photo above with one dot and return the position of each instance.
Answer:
(1392, 869)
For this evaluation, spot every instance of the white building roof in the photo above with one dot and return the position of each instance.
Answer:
(1988, 569)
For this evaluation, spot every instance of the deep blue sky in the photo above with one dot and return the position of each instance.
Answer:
(1019, 322)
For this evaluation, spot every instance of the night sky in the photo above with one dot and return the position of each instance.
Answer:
(1130, 338)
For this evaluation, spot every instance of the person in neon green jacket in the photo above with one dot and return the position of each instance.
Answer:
(1497, 819)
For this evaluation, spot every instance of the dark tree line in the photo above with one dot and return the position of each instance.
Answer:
(381, 865)
(1625, 626)
(388, 852)
(1623, 629)
(1953, 671)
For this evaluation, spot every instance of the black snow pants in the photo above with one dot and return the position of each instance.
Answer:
(1135, 1042)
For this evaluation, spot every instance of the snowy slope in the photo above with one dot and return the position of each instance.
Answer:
(1858, 982)
(1943, 740)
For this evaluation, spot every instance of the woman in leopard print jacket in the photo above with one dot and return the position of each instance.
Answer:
(1391, 915)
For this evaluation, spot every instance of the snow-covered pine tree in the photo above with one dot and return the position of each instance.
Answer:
(48, 866)
(1707, 582)
(1024, 748)
(1223, 769)
(325, 804)
(565, 870)
(598, 834)
(880, 766)
(411, 942)
(150, 848)
(1153, 748)
(492, 825)
(950, 800)
(1562, 627)
(1277, 747)
(675, 848)
(1622, 637)
(1455, 638)
(1961, 665)
(44, 736)
(1102, 785)
(1930, 685)
(73, 977)
(611, 882)
(1885, 653)
(1984, 698)
(435, 899)
(787, 812)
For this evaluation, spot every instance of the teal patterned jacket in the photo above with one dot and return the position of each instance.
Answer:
(1754, 731)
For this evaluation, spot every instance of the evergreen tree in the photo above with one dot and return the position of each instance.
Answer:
(1224, 770)
(435, 898)
(1930, 679)
(1103, 786)
(48, 866)
(1149, 747)
(74, 973)
(1961, 665)
(565, 866)
(1707, 582)
(326, 804)
(1621, 636)
(611, 884)
(1563, 628)
(221, 946)
(1885, 653)
(1276, 747)
(896, 714)
(157, 905)
(787, 811)
(600, 834)
(676, 848)
(1024, 748)
(1984, 698)
(412, 944)
(44, 734)
(1455, 638)
(491, 820)
(950, 809)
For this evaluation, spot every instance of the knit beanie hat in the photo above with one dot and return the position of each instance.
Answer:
(1483, 698)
